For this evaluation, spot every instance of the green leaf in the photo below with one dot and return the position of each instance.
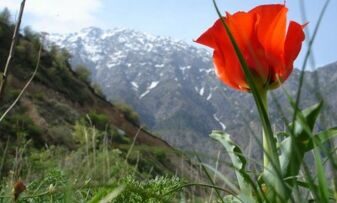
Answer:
(99, 195)
(310, 186)
(293, 148)
(113, 194)
(107, 194)
(209, 178)
(323, 186)
(227, 182)
(321, 138)
(305, 122)
(239, 163)
(312, 113)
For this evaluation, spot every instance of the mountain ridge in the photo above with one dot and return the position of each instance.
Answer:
(173, 85)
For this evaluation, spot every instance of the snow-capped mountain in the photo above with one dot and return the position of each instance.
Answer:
(171, 84)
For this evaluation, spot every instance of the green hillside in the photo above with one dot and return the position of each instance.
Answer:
(63, 142)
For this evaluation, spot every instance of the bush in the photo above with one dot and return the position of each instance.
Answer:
(99, 120)
(20, 125)
(129, 113)
(151, 191)
(83, 73)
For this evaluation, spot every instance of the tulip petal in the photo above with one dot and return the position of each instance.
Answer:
(222, 71)
(242, 26)
(264, 42)
(271, 27)
(226, 62)
(271, 31)
(213, 34)
(292, 47)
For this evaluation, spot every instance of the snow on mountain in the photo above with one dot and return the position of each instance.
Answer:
(171, 83)
(128, 51)
(158, 76)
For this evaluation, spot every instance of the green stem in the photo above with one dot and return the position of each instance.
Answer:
(266, 146)
(269, 152)
(270, 157)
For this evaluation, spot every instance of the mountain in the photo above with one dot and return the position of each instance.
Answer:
(59, 109)
(173, 86)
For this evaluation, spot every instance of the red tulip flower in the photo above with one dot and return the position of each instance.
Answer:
(266, 42)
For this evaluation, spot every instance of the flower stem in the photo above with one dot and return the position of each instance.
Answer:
(266, 146)
(268, 151)
(270, 158)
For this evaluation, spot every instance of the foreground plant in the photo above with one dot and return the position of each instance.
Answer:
(254, 52)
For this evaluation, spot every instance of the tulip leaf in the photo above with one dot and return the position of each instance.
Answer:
(312, 113)
(305, 121)
(293, 148)
(238, 161)
(321, 138)
(282, 134)
(311, 186)
(323, 187)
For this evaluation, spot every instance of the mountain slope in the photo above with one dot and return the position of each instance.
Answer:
(58, 102)
(173, 85)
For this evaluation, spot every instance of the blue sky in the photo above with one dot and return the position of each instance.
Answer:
(179, 19)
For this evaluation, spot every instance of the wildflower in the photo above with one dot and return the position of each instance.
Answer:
(267, 45)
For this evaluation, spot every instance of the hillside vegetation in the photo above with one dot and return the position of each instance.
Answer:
(63, 142)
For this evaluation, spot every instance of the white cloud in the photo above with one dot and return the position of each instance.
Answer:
(58, 15)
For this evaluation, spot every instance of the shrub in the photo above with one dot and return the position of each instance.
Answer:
(99, 120)
(21, 126)
(83, 73)
(150, 191)
(97, 89)
(129, 113)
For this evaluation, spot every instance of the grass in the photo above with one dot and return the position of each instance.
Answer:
(88, 174)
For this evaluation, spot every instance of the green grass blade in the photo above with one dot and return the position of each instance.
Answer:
(321, 138)
(323, 187)
(236, 156)
(113, 194)
(209, 178)
(227, 182)
(307, 55)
